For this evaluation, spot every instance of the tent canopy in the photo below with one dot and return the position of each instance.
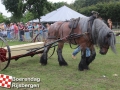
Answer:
(61, 14)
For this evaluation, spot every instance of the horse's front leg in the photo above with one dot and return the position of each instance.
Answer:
(92, 56)
(83, 65)
(43, 58)
(61, 60)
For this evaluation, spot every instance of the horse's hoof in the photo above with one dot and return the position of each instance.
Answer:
(80, 69)
(86, 69)
(43, 64)
(63, 64)
(43, 60)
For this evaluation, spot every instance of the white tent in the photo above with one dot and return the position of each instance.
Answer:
(61, 14)
(35, 20)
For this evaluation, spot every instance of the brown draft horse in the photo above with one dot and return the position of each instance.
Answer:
(100, 35)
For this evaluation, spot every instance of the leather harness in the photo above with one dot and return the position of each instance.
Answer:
(72, 25)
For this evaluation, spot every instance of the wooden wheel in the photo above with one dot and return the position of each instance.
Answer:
(5, 54)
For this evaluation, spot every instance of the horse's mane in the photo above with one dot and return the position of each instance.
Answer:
(99, 31)
(83, 24)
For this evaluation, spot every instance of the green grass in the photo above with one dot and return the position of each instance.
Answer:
(55, 77)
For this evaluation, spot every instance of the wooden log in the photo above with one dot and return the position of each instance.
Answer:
(24, 48)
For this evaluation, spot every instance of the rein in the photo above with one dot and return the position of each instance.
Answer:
(75, 36)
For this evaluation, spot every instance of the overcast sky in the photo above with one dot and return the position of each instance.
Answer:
(2, 7)
(68, 1)
(2, 10)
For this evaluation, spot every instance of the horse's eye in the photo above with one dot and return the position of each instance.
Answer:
(106, 40)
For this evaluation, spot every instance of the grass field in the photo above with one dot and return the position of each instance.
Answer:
(101, 75)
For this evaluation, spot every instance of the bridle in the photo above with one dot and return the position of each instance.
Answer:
(103, 46)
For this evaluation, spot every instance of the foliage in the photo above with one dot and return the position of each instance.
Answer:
(106, 10)
(37, 7)
(15, 7)
(4, 19)
(59, 4)
(27, 17)
(86, 3)
(1, 18)
(18, 7)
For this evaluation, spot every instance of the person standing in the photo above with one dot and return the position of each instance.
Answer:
(40, 29)
(109, 21)
(35, 30)
(45, 32)
(21, 28)
(8, 32)
(15, 31)
(30, 29)
(12, 30)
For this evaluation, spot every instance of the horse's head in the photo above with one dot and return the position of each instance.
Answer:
(103, 36)
(105, 45)
(109, 41)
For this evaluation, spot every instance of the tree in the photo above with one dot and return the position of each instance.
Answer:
(106, 10)
(59, 4)
(27, 17)
(37, 7)
(4, 19)
(1, 18)
(15, 7)
(85, 3)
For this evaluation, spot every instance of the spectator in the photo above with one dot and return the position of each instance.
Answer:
(2, 27)
(45, 33)
(47, 26)
(35, 30)
(21, 28)
(40, 29)
(15, 31)
(27, 33)
(30, 28)
(12, 30)
(109, 21)
(8, 32)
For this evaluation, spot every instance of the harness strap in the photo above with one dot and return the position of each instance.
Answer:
(52, 37)
(75, 36)
(89, 29)
(73, 26)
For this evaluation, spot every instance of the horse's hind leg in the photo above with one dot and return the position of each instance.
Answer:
(83, 65)
(61, 60)
(43, 58)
